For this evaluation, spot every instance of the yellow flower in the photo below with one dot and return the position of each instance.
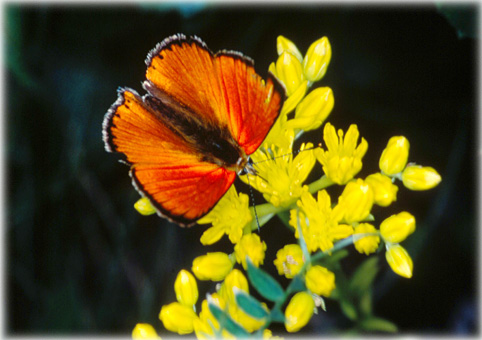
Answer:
(289, 71)
(178, 318)
(228, 217)
(299, 311)
(289, 260)
(313, 110)
(252, 247)
(319, 222)
(212, 266)
(185, 287)
(144, 331)
(249, 323)
(234, 279)
(283, 44)
(385, 191)
(399, 260)
(144, 207)
(280, 177)
(420, 178)
(394, 156)
(317, 59)
(320, 280)
(397, 228)
(295, 98)
(365, 244)
(343, 159)
(205, 325)
(356, 201)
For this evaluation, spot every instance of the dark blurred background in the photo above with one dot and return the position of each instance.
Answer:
(81, 261)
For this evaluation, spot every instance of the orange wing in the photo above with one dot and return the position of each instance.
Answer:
(222, 89)
(164, 167)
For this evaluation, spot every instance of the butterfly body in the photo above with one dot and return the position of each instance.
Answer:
(188, 137)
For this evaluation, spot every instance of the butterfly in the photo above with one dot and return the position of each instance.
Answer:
(188, 137)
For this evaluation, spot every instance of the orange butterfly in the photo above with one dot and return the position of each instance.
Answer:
(188, 137)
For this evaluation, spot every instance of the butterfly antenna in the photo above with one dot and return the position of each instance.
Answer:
(294, 153)
(252, 200)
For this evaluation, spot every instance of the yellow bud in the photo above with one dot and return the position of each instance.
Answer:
(299, 311)
(317, 59)
(396, 228)
(356, 201)
(185, 287)
(251, 246)
(212, 266)
(283, 44)
(294, 99)
(420, 178)
(234, 279)
(394, 156)
(365, 244)
(289, 260)
(178, 318)
(289, 71)
(144, 207)
(385, 191)
(203, 330)
(144, 331)
(313, 109)
(399, 260)
(320, 280)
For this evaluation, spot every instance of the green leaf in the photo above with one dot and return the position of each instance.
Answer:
(364, 276)
(348, 309)
(266, 285)
(249, 304)
(366, 303)
(379, 324)
(297, 284)
(226, 322)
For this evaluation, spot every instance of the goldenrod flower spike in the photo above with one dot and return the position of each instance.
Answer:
(394, 156)
(228, 217)
(144, 331)
(313, 110)
(420, 178)
(250, 246)
(289, 260)
(366, 244)
(320, 281)
(397, 228)
(317, 59)
(144, 207)
(356, 201)
(299, 311)
(343, 159)
(399, 260)
(385, 191)
(178, 318)
(289, 71)
(212, 266)
(283, 44)
(186, 289)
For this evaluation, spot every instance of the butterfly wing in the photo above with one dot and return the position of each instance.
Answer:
(164, 167)
(223, 89)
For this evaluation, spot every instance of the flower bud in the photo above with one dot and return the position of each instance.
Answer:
(283, 44)
(420, 178)
(185, 287)
(144, 331)
(396, 228)
(289, 260)
(365, 244)
(289, 71)
(385, 191)
(317, 59)
(356, 201)
(313, 109)
(399, 260)
(250, 246)
(320, 280)
(144, 207)
(212, 266)
(294, 99)
(234, 279)
(395, 156)
(178, 318)
(299, 311)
